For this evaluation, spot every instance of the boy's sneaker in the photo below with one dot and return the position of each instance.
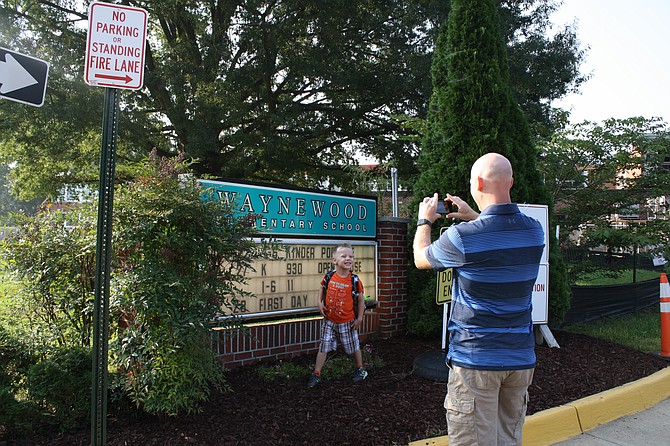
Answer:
(360, 374)
(314, 379)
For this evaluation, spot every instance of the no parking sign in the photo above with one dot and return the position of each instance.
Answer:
(115, 46)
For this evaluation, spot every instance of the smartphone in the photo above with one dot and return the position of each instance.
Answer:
(445, 207)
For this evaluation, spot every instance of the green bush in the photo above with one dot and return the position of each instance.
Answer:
(177, 263)
(182, 260)
(424, 316)
(180, 377)
(16, 417)
(61, 386)
(14, 360)
(52, 258)
(560, 294)
(46, 330)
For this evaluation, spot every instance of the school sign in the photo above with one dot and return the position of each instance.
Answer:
(299, 212)
(306, 225)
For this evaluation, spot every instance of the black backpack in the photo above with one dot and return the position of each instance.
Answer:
(354, 288)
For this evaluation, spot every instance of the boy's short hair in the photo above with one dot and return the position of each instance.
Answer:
(342, 246)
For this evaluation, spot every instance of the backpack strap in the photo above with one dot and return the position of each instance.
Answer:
(354, 287)
(354, 292)
(326, 280)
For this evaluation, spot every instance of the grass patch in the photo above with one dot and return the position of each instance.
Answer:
(604, 278)
(8, 291)
(284, 371)
(338, 366)
(640, 331)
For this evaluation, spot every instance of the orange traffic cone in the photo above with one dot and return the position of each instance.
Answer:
(665, 316)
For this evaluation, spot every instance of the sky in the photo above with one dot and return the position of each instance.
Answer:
(629, 58)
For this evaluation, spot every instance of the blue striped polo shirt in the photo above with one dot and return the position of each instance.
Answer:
(496, 259)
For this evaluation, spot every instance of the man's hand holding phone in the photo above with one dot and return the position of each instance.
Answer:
(458, 208)
(432, 208)
(445, 207)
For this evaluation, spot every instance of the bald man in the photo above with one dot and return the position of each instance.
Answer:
(495, 256)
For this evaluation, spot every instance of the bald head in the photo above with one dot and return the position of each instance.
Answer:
(493, 167)
(491, 180)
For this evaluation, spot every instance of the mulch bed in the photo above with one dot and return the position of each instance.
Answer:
(392, 407)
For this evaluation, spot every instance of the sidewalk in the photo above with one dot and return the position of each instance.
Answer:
(635, 414)
(651, 427)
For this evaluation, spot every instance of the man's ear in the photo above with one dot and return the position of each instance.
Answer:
(480, 184)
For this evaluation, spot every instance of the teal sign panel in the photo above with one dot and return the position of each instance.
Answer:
(295, 212)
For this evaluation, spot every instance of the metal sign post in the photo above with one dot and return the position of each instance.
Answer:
(115, 48)
(445, 280)
(102, 266)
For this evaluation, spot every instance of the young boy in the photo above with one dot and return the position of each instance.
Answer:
(336, 304)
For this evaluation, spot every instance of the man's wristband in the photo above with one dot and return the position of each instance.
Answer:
(424, 221)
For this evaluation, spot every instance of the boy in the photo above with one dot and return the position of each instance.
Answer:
(336, 304)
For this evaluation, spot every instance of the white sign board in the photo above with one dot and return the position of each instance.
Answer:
(539, 212)
(541, 288)
(541, 296)
(115, 46)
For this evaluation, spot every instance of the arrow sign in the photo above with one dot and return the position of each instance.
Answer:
(125, 78)
(23, 78)
(13, 76)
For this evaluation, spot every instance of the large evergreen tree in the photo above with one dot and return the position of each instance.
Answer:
(472, 112)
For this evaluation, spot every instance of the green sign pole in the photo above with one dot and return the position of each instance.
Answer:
(110, 122)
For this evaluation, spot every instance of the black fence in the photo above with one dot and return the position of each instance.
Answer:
(590, 303)
(580, 261)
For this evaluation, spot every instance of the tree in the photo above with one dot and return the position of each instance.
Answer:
(598, 170)
(59, 143)
(541, 68)
(9, 204)
(265, 90)
(472, 112)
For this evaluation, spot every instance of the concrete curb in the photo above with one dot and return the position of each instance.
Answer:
(570, 420)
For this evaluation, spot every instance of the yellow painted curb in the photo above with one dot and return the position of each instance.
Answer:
(435, 441)
(570, 420)
(551, 426)
(657, 388)
(615, 403)
(607, 406)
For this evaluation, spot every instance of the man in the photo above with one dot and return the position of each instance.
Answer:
(495, 256)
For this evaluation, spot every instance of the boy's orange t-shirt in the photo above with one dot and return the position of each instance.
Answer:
(339, 301)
